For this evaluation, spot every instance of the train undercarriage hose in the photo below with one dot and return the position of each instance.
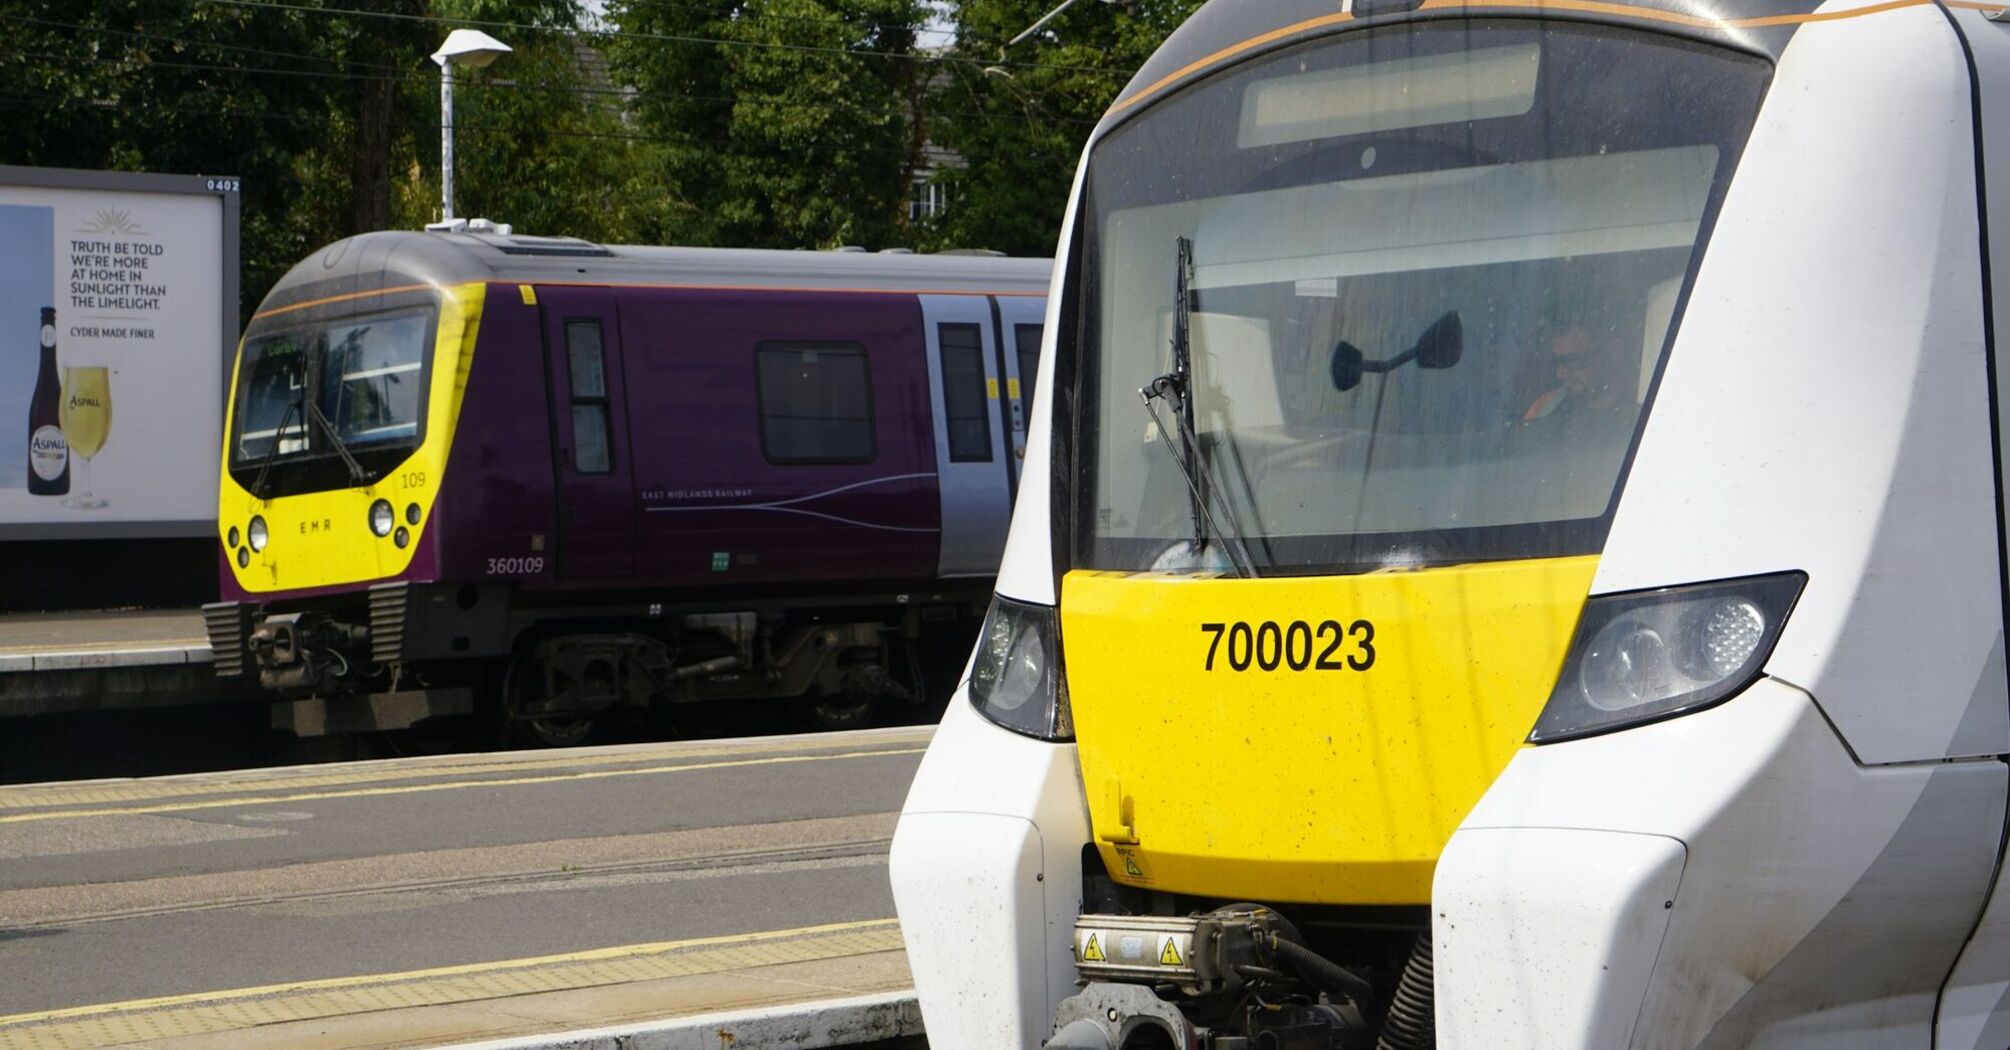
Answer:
(1412, 1022)
(1322, 973)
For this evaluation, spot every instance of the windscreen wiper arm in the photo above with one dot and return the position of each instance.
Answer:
(1177, 384)
(272, 453)
(320, 418)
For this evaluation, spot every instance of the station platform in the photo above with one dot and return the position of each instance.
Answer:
(511, 900)
(89, 661)
(854, 972)
(78, 640)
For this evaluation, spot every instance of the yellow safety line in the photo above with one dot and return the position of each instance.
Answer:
(34, 796)
(463, 969)
(453, 785)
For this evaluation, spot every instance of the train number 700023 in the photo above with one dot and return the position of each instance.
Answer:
(1296, 646)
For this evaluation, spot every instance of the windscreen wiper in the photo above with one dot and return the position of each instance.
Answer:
(1177, 385)
(272, 453)
(320, 418)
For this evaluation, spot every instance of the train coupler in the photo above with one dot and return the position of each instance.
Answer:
(1236, 978)
(305, 653)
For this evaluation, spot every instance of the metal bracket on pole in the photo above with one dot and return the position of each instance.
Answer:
(1041, 24)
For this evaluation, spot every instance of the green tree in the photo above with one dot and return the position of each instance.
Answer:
(783, 123)
(168, 86)
(331, 116)
(1018, 119)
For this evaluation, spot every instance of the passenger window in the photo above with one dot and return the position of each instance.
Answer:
(1027, 340)
(815, 403)
(963, 396)
(586, 364)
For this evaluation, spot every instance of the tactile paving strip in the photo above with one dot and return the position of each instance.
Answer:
(112, 1024)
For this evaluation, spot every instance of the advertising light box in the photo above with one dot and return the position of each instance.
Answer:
(118, 319)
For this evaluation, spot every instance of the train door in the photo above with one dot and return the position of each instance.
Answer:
(971, 446)
(1020, 322)
(594, 480)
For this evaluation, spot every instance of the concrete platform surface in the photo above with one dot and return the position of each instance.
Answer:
(435, 902)
(70, 641)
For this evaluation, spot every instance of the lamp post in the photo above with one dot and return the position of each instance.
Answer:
(463, 47)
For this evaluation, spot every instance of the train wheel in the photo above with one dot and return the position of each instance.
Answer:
(845, 711)
(434, 736)
(556, 732)
(528, 689)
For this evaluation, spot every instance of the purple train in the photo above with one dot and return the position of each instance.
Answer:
(581, 479)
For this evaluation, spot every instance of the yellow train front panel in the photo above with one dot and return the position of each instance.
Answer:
(1308, 739)
(323, 539)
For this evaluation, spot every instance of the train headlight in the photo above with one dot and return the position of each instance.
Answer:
(382, 518)
(1016, 679)
(1647, 655)
(255, 533)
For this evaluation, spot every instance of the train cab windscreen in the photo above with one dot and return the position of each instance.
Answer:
(331, 404)
(1402, 303)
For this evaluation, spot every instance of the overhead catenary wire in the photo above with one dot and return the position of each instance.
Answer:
(477, 87)
(491, 85)
(959, 33)
(479, 129)
(577, 32)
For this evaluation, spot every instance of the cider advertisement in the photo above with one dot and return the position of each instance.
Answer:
(113, 337)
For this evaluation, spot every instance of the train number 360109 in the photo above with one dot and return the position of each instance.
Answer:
(1297, 646)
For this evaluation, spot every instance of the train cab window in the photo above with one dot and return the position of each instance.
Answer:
(1420, 324)
(815, 403)
(586, 365)
(1026, 338)
(963, 395)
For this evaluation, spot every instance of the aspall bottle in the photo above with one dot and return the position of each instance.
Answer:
(48, 452)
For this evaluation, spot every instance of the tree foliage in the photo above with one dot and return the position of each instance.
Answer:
(785, 123)
(1019, 120)
(771, 123)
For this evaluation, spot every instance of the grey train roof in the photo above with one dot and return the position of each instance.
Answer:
(1226, 31)
(384, 259)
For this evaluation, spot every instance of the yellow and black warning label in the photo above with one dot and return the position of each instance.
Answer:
(1169, 955)
(1092, 951)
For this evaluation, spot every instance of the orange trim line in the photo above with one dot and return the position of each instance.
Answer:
(768, 288)
(1589, 6)
(1229, 52)
(1649, 14)
(339, 299)
(681, 287)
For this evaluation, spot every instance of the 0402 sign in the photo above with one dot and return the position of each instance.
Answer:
(1296, 646)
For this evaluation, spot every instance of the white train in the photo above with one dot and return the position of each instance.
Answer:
(1512, 548)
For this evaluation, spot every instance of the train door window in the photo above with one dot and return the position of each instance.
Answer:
(963, 392)
(1026, 339)
(586, 364)
(815, 403)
